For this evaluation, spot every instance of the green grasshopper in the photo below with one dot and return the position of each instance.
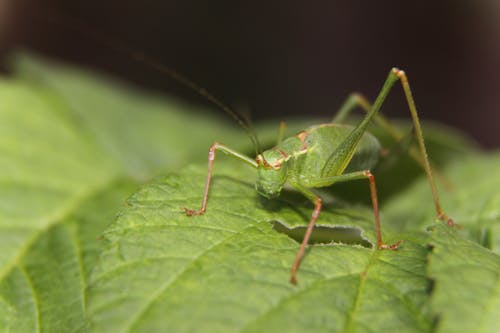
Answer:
(326, 154)
(319, 156)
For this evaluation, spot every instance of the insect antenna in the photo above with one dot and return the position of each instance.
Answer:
(244, 122)
(75, 24)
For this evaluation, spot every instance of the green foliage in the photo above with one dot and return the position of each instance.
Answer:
(77, 256)
(467, 276)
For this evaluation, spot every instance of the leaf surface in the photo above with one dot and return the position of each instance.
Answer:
(48, 172)
(467, 276)
(228, 270)
(66, 167)
(122, 119)
(74, 145)
(473, 200)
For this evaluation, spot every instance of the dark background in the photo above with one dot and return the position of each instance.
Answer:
(283, 58)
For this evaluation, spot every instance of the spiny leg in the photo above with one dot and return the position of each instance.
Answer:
(356, 100)
(351, 103)
(423, 151)
(211, 158)
(348, 145)
(378, 230)
(365, 174)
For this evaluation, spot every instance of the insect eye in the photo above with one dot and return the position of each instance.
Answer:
(262, 161)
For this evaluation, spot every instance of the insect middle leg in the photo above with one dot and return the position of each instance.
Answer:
(365, 174)
(314, 217)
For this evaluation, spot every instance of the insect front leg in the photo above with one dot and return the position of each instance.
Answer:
(211, 158)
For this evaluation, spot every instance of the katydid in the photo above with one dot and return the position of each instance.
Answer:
(326, 154)
(319, 156)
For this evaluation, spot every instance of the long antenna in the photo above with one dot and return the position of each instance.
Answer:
(141, 57)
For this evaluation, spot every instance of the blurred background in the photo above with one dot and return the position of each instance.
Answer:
(286, 58)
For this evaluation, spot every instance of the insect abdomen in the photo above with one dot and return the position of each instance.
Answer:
(322, 142)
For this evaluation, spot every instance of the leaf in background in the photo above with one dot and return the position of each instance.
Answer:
(74, 145)
(466, 295)
(396, 171)
(63, 175)
(123, 120)
(70, 144)
(47, 171)
(473, 201)
(228, 270)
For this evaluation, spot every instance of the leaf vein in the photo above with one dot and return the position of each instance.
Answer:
(134, 319)
(35, 298)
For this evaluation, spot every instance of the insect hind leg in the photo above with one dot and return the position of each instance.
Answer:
(420, 156)
(420, 138)
(351, 103)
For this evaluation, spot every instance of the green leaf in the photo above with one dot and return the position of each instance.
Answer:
(44, 288)
(228, 270)
(466, 295)
(70, 144)
(473, 200)
(65, 168)
(122, 120)
(74, 145)
(48, 171)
